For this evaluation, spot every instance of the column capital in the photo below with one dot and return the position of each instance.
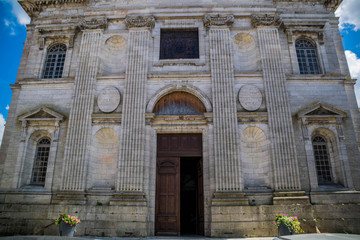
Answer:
(140, 21)
(273, 20)
(93, 24)
(218, 20)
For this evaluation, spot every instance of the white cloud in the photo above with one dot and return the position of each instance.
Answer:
(354, 66)
(19, 13)
(2, 127)
(7, 107)
(11, 26)
(349, 13)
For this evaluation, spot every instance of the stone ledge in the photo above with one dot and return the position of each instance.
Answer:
(293, 197)
(128, 199)
(229, 199)
(77, 198)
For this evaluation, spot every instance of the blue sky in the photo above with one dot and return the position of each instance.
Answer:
(13, 22)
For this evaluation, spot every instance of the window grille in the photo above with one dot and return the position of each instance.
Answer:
(307, 57)
(54, 63)
(179, 44)
(322, 161)
(40, 163)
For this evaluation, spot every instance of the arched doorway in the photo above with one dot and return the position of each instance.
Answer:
(179, 171)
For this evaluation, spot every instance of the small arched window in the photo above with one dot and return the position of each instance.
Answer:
(40, 163)
(322, 161)
(54, 63)
(307, 57)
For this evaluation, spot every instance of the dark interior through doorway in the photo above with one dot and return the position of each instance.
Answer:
(191, 196)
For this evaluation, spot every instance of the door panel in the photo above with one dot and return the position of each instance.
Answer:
(167, 219)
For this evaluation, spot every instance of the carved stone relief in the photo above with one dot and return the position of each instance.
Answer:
(250, 97)
(140, 21)
(266, 20)
(113, 55)
(246, 54)
(218, 20)
(108, 99)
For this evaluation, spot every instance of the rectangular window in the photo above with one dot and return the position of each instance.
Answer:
(179, 44)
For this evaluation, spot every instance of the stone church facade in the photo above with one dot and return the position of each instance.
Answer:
(171, 117)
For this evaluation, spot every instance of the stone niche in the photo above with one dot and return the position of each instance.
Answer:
(246, 52)
(113, 55)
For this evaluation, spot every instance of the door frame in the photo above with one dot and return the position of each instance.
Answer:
(177, 152)
(203, 128)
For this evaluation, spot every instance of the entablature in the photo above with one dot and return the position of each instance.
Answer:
(33, 7)
(327, 3)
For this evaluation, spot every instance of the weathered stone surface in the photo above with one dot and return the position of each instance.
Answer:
(261, 116)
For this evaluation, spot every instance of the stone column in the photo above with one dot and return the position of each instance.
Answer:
(79, 127)
(133, 131)
(226, 136)
(285, 165)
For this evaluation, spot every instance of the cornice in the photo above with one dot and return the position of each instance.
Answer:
(327, 3)
(333, 3)
(33, 7)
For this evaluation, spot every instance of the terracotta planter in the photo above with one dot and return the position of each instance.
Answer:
(66, 230)
(284, 230)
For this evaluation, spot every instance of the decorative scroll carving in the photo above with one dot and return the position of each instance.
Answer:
(93, 23)
(305, 123)
(218, 20)
(340, 129)
(140, 21)
(266, 20)
(321, 37)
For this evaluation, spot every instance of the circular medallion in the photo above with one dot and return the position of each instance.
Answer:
(250, 97)
(108, 99)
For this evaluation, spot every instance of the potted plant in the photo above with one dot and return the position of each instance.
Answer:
(287, 225)
(67, 224)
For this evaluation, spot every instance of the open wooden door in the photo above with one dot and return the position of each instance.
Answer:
(167, 196)
(172, 149)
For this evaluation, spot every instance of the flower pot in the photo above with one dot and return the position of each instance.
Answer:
(284, 230)
(66, 230)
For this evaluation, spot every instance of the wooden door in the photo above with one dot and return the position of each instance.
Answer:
(167, 219)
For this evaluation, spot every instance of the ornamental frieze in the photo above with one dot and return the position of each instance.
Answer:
(266, 20)
(140, 21)
(94, 23)
(218, 20)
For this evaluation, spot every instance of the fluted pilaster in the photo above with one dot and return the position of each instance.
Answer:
(132, 149)
(226, 138)
(79, 127)
(285, 164)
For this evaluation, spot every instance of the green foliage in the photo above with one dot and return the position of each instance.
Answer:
(292, 222)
